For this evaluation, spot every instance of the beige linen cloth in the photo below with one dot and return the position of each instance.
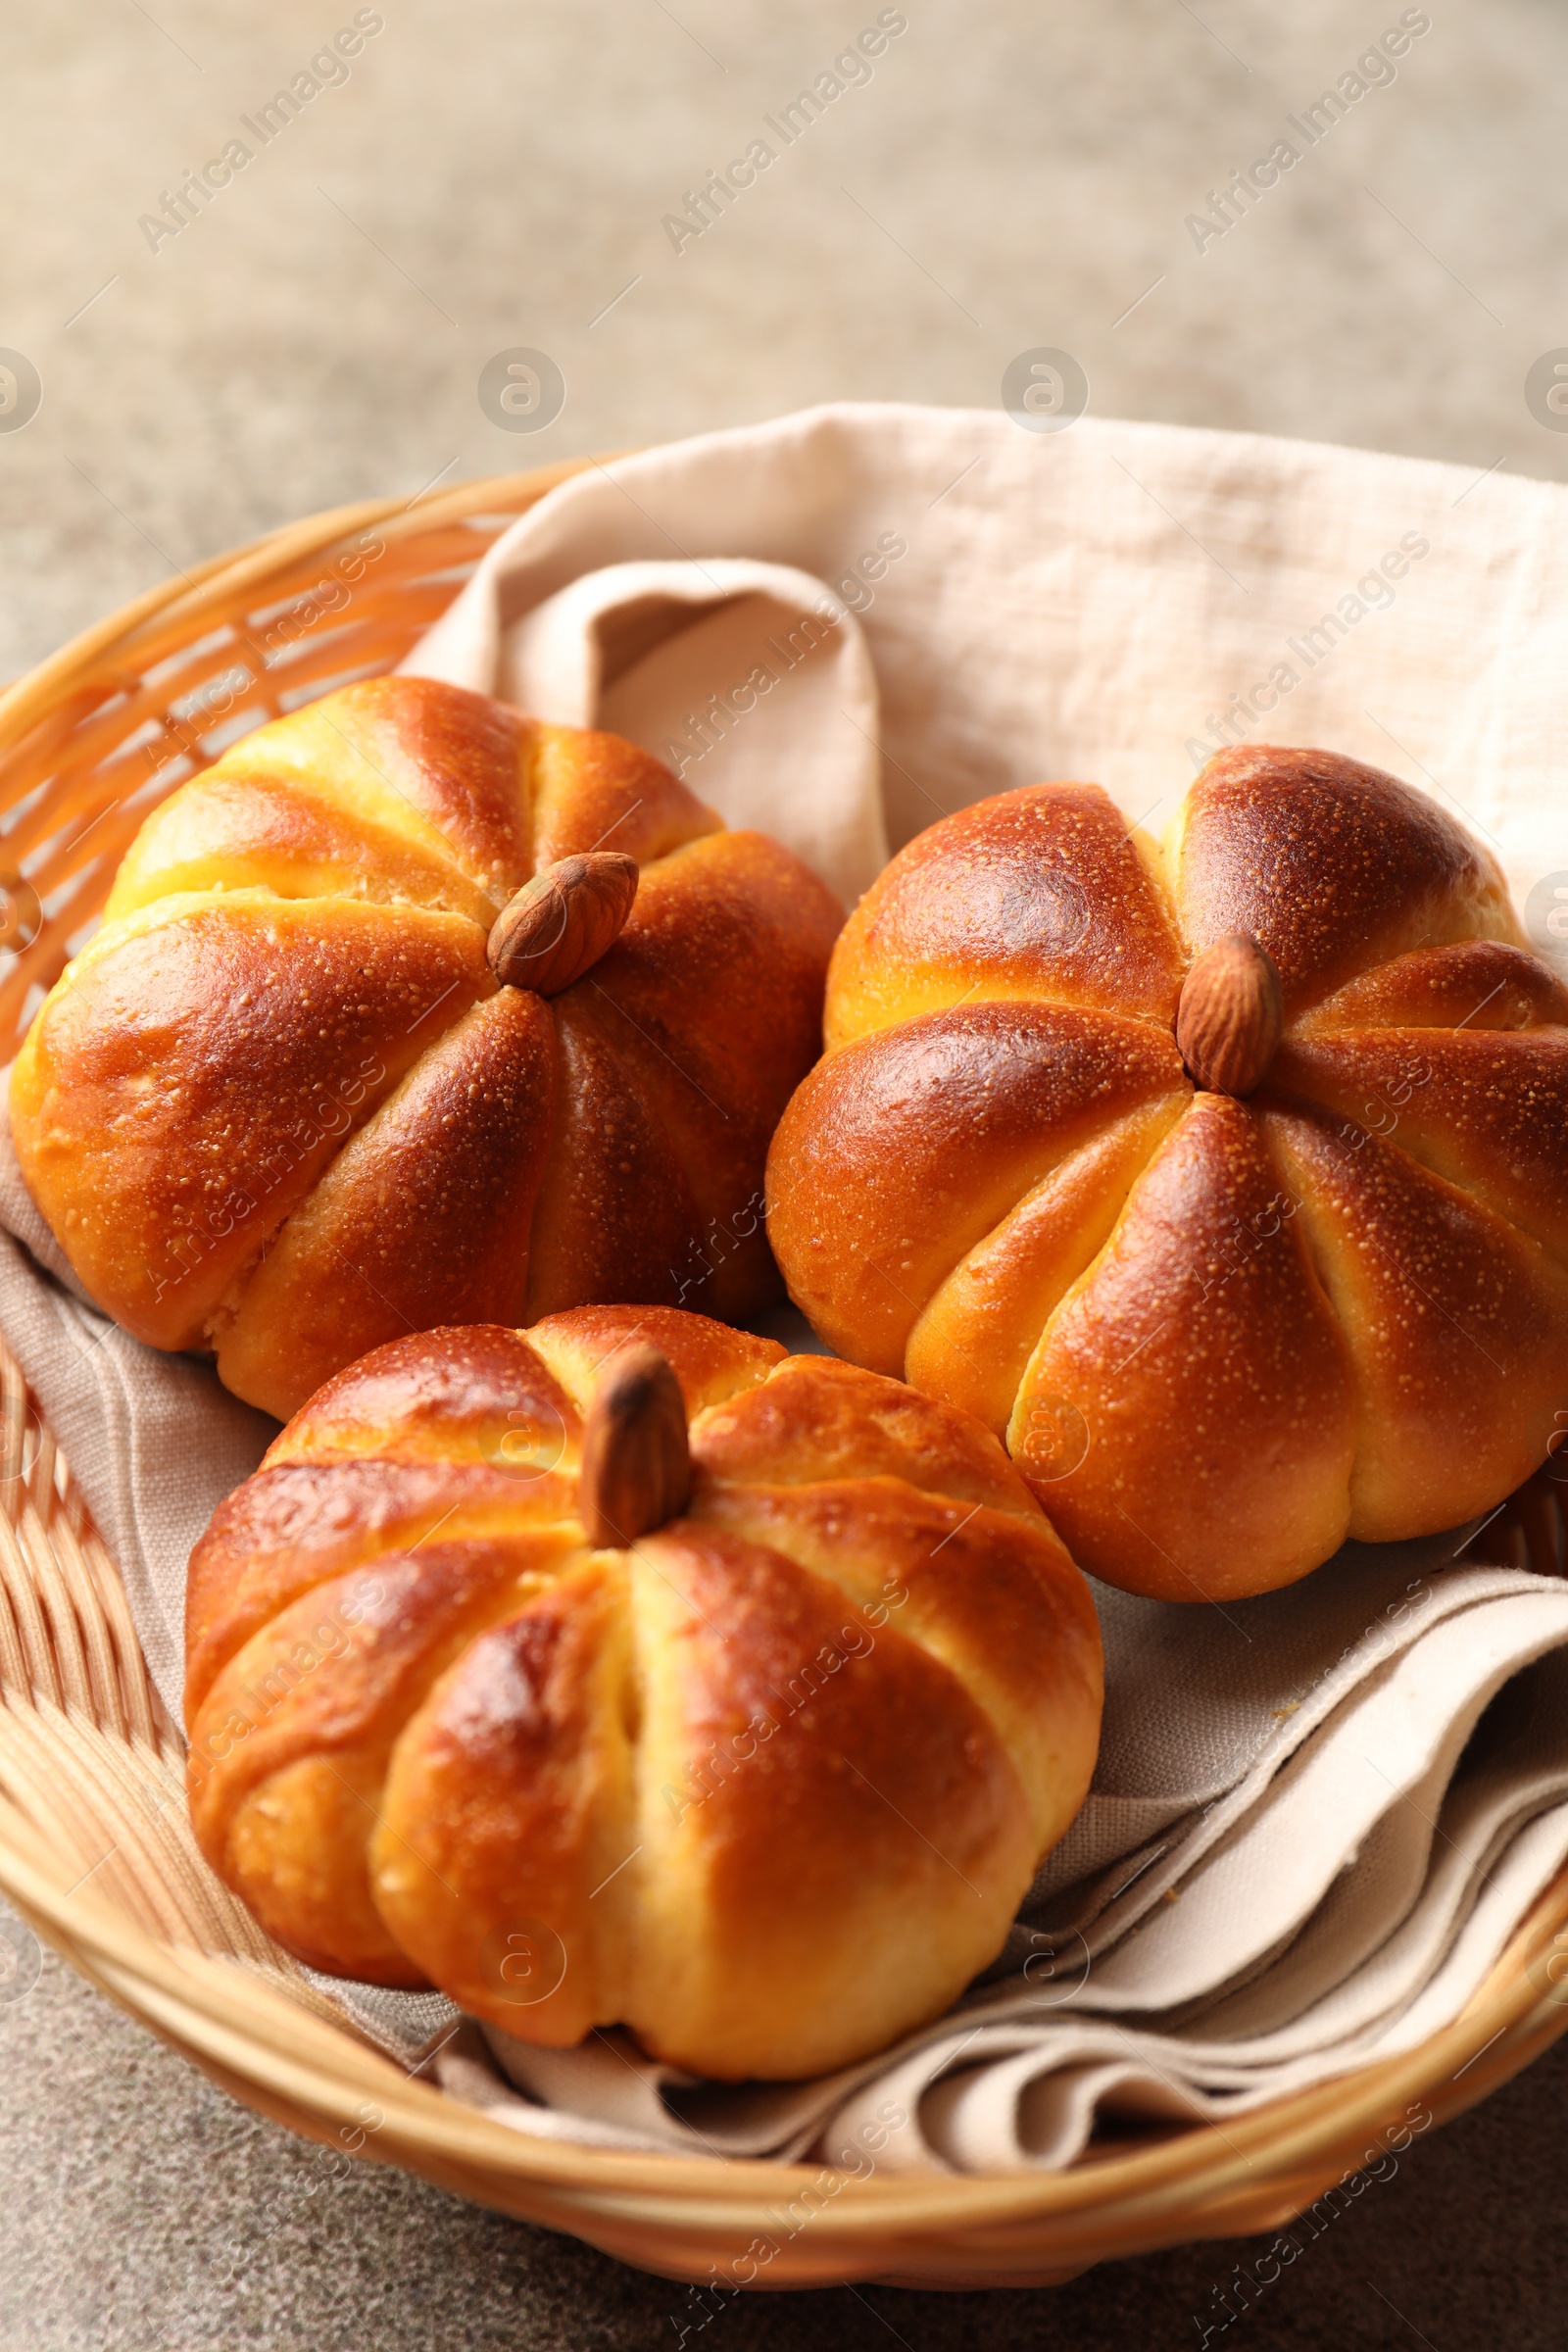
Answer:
(1318, 1814)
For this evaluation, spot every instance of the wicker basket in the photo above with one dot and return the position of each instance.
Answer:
(95, 1846)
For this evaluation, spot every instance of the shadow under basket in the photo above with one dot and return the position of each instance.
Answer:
(96, 1849)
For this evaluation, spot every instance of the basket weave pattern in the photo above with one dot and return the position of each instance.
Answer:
(96, 1849)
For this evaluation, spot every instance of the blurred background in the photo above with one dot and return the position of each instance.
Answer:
(440, 187)
(496, 176)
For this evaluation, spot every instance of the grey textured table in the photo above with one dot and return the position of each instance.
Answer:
(142, 2209)
(492, 178)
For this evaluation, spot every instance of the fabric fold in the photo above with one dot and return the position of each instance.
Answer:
(1319, 1815)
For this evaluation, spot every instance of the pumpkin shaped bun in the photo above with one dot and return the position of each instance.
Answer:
(627, 1671)
(412, 1010)
(1227, 1182)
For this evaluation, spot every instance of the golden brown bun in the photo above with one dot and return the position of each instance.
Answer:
(279, 1109)
(767, 1786)
(1219, 1336)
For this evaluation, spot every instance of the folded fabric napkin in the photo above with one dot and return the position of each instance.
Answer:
(1317, 1815)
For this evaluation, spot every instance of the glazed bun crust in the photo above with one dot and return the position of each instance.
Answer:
(1218, 1335)
(279, 1110)
(766, 1786)
(1334, 868)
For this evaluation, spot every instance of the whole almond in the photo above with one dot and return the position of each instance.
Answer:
(556, 926)
(1230, 1015)
(636, 1464)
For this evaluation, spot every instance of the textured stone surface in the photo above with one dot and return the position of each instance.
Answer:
(493, 177)
(144, 2212)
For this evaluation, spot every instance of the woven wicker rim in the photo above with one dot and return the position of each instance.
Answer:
(95, 1845)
